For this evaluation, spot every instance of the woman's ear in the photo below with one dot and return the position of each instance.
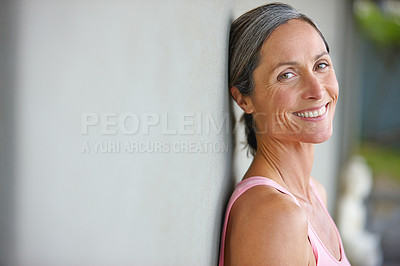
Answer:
(243, 101)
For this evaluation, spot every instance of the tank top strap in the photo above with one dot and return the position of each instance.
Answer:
(242, 187)
(316, 241)
(260, 180)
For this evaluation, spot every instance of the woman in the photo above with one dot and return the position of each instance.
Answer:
(281, 75)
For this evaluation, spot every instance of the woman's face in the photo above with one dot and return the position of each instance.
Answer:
(296, 89)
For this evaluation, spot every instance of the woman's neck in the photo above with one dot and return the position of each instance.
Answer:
(288, 163)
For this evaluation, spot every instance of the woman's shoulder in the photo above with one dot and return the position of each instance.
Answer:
(265, 219)
(267, 204)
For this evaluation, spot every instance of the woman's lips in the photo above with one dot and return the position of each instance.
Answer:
(313, 112)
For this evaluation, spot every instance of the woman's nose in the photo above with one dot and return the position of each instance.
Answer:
(313, 89)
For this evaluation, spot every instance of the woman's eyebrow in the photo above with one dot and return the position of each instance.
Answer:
(289, 63)
(320, 55)
(293, 63)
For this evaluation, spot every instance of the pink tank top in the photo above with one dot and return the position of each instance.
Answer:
(322, 255)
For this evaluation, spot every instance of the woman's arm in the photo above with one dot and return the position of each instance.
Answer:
(267, 228)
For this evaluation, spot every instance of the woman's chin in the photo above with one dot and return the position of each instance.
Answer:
(318, 137)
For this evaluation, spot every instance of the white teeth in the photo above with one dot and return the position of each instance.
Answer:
(312, 114)
(322, 111)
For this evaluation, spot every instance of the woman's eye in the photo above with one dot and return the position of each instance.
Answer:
(321, 66)
(286, 76)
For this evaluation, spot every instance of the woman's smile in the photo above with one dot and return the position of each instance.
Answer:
(313, 114)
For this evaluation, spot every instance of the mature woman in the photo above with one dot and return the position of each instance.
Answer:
(281, 75)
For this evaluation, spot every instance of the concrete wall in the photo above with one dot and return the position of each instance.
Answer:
(95, 87)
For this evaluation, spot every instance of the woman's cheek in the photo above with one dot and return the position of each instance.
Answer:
(332, 84)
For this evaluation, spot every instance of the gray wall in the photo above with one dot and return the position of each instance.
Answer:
(153, 65)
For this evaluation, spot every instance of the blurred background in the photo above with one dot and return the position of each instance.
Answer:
(378, 33)
(118, 138)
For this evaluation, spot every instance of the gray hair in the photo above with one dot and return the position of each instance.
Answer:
(247, 36)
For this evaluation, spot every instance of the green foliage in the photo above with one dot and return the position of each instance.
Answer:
(381, 28)
(382, 160)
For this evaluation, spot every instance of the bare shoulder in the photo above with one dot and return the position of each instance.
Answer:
(321, 190)
(266, 227)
